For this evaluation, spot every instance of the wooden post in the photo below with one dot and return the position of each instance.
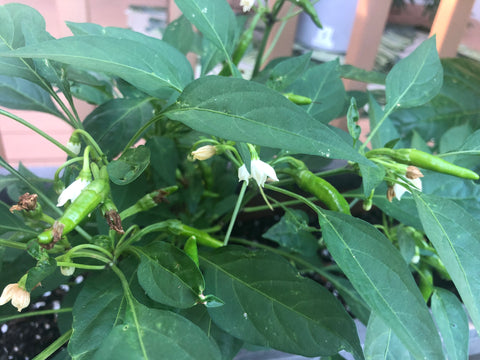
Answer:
(449, 25)
(370, 20)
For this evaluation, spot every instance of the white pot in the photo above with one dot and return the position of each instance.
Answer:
(337, 18)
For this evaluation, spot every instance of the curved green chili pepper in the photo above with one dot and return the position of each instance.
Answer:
(90, 197)
(298, 99)
(426, 161)
(322, 189)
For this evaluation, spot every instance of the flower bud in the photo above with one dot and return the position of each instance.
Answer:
(390, 193)
(67, 270)
(74, 144)
(204, 152)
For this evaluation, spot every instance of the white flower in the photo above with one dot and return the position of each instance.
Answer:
(400, 189)
(72, 191)
(261, 172)
(19, 296)
(74, 147)
(247, 4)
(67, 270)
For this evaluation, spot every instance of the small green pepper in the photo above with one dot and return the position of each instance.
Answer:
(323, 191)
(298, 99)
(426, 161)
(90, 197)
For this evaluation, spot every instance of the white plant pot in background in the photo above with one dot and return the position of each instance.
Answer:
(337, 17)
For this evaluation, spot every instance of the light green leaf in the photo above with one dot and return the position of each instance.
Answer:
(114, 123)
(455, 234)
(323, 85)
(379, 274)
(152, 334)
(268, 303)
(95, 312)
(386, 131)
(452, 322)
(215, 20)
(151, 70)
(129, 166)
(382, 344)
(415, 79)
(246, 111)
(17, 93)
(169, 276)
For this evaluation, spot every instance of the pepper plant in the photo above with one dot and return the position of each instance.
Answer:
(163, 232)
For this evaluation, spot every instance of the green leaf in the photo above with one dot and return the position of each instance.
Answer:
(381, 343)
(452, 322)
(43, 269)
(129, 166)
(95, 313)
(131, 58)
(455, 234)
(11, 222)
(166, 158)
(415, 79)
(456, 104)
(387, 131)
(169, 276)
(12, 18)
(17, 93)
(215, 20)
(113, 123)
(285, 72)
(352, 120)
(323, 85)
(179, 33)
(149, 333)
(372, 176)
(379, 274)
(358, 74)
(293, 233)
(454, 138)
(268, 303)
(246, 111)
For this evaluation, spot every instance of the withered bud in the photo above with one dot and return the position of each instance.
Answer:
(413, 172)
(57, 231)
(390, 193)
(26, 201)
(161, 197)
(114, 221)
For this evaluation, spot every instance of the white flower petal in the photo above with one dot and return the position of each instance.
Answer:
(74, 147)
(243, 174)
(261, 171)
(400, 190)
(246, 4)
(72, 191)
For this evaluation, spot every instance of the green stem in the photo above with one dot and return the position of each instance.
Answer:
(283, 23)
(91, 247)
(140, 131)
(266, 34)
(375, 129)
(276, 205)
(38, 131)
(129, 298)
(235, 213)
(34, 313)
(13, 244)
(80, 266)
(91, 255)
(57, 344)
(91, 141)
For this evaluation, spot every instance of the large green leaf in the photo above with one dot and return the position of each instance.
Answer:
(214, 19)
(456, 104)
(323, 85)
(169, 276)
(179, 33)
(381, 343)
(12, 19)
(17, 93)
(132, 58)
(156, 334)
(94, 314)
(379, 274)
(166, 159)
(129, 166)
(452, 322)
(113, 123)
(287, 71)
(246, 111)
(416, 79)
(268, 303)
(455, 234)
(386, 131)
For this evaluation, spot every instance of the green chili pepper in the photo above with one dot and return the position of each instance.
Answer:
(322, 189)
(298, 99)
(426, 161)
(90, 197)
(309, 9)
(191, 249)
